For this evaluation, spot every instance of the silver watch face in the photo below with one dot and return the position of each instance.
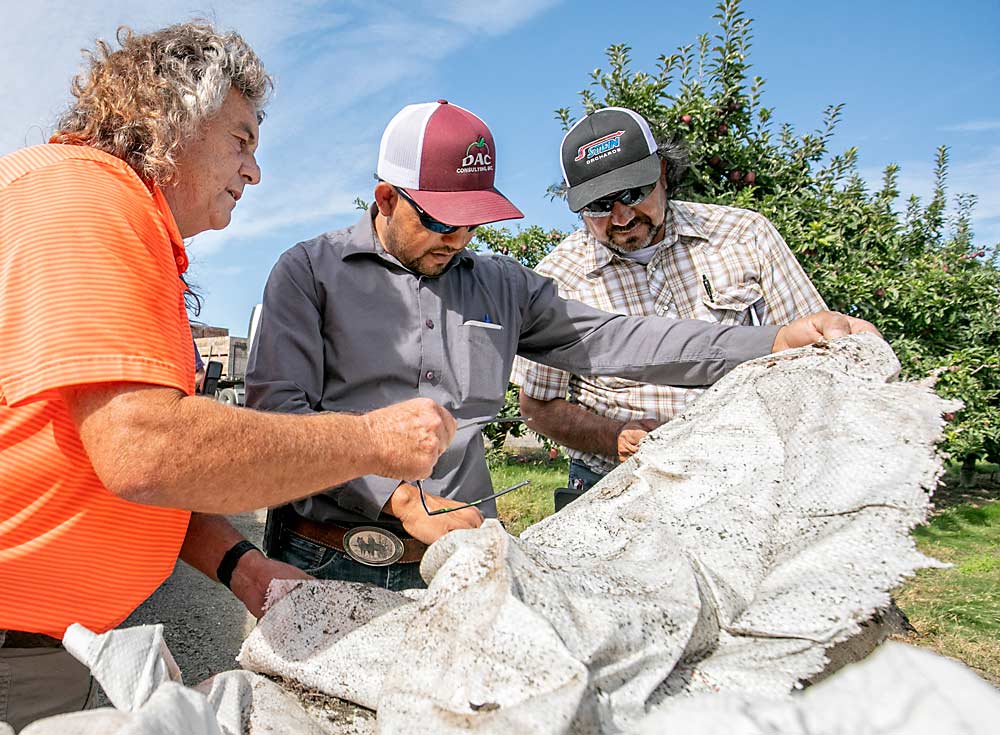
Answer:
(373, 546)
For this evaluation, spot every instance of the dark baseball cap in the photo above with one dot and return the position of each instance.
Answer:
(443, 156)
(607, 151)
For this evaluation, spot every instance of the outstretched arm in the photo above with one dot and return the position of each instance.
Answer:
(155, 445)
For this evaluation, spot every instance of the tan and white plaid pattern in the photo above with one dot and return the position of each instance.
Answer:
(718, 264)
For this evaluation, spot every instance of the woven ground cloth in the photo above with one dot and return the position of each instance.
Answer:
(744, 540)
(693, 590)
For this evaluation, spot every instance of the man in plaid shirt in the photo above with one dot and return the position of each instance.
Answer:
(642, 254)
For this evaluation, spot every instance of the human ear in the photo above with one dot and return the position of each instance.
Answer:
(386, 198)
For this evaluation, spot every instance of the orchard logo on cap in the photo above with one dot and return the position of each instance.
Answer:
(600, 148)
(477, 158)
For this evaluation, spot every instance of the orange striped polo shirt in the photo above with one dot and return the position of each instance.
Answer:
(90, 292)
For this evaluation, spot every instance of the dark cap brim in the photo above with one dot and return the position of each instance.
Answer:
(466, 208)
(640, 173)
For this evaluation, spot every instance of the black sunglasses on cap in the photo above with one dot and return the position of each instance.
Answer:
(429, 222)
(629, 197)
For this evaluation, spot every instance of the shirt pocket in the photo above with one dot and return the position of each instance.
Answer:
(482, 367)
(731, 305)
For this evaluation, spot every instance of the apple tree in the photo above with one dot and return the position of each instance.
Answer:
(913, 268)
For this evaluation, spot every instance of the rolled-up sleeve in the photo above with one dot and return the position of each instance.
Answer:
(541, 382)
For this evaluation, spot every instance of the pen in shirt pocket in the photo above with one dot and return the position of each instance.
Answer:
(708, 288)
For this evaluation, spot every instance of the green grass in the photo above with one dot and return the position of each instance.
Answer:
(956, 611)
(530, 504)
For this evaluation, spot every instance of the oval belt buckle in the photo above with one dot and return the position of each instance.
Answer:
(374, 547)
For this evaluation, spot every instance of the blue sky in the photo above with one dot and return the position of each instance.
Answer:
(912, 76)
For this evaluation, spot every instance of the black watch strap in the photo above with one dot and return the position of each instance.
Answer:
(230, 559)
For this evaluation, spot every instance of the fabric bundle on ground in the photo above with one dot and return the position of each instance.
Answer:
(693, 589)
(746, 538)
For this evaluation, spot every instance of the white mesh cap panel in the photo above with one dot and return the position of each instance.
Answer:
(643, 126)
(402, 143)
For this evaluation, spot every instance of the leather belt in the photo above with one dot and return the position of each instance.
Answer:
(20, 639)
(332, 536)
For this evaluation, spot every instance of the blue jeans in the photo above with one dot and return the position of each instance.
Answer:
(325, 563)
(581, 477)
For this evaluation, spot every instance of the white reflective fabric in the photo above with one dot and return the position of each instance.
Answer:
(129, 664)
(690, 591)
(744, 540)
(899, 689)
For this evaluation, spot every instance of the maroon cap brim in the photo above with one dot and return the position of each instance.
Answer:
(465, 208)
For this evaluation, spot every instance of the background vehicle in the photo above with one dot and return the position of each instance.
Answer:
(215, 344)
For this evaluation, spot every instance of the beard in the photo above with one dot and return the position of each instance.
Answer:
(427, 264)
(638, 234)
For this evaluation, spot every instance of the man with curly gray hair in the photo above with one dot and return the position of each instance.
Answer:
(104, 449)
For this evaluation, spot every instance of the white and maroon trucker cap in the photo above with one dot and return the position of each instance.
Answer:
(443, 157)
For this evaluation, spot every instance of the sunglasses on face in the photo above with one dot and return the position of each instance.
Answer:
(629, 197)
(429, 222)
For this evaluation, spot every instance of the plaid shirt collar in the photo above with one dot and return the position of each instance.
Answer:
(676, 224)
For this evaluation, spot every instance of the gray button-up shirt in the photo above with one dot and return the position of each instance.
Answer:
(345, 327)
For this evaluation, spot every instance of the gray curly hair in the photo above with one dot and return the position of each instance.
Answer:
(674, 154)
(142, 102)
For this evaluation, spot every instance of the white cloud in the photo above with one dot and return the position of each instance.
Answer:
(342, 69)
(974, 126)
(328, 58)
(980, 177)
(493, 18)
(42, 44)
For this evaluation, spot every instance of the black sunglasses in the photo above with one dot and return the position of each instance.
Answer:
(629, 197)
(429, 222)
(473, 504)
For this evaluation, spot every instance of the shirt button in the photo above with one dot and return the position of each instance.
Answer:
(429, 375)
(429, 323)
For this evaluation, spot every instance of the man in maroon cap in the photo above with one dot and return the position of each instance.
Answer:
(395, 307)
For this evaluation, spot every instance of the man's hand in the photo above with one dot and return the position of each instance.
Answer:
(252, 575)
(405, 504)
(631, 434)
(407, 438)
(821, 325)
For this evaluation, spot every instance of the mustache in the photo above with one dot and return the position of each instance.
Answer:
(639, 218)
